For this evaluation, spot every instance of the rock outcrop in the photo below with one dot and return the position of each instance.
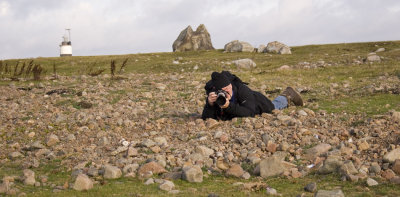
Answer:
(193, 41)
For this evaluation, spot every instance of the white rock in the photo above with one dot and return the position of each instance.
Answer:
(29, 177)
(371, 182)
(82, 183)
(244, 63)
(167, 185)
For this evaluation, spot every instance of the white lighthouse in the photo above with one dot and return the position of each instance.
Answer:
(65, 46)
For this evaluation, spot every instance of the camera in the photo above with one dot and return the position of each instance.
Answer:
(221, 97)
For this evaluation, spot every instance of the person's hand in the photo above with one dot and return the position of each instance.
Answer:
(226, 104)
(212, 97)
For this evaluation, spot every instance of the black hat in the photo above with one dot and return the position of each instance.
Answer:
(219, 80)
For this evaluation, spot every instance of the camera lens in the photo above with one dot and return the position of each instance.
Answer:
(221, 99)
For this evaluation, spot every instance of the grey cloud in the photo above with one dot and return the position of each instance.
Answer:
(34, 28)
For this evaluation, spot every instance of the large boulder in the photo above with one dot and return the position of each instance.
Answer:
(277, 47)
(238, 46)
(193, 41)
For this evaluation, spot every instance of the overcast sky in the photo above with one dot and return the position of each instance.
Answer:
(32, 28)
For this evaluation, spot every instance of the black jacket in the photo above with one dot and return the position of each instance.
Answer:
(247, 102)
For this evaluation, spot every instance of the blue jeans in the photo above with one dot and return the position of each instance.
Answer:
(280, 102)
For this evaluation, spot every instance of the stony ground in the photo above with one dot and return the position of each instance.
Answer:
(148, 127)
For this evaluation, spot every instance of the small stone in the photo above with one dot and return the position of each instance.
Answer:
(246, 176)
(372, 57)
(149, 181)
(31, 134)
(161, 141)
(192, 174)
(375, 168)
(316, 151)
(395, 180)
(329, 193)
(221, 164)
(213, 195)
(271, 166)
(396, 116)
(284, 67)
(15, 155)
(29, 177)
(132, 151)
(130, 168)
(152, 167)
(363, 145)
(205, 151)
(388, 174)
(271, 191)
(392, 156)
(172, 175)
(112, 172)
(93, 172)
(52, 140)
(83, 183)
(311, 187)
(166, 185)
(396, 166)
(371, 182)
(211, 123)
(174, 192)
(236, 171)
(331, 164)
(71, 137)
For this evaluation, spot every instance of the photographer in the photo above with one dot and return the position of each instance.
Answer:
(229, 97)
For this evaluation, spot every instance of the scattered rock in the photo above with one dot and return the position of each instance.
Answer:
(149, 181)
(284, 67)
(392, 156)
(235, 170)
(192, 174)
(329, 193)
(52, 140)
(311, 187)
(371, 182)
(396, 166)
(372, 57)
(396, 116)
(271, 166)
(29, 177)
(152, 168)
(316, 151)
(15, 155)
(244, 63)
(380, 50)
(271, 191)
(331, 164)
(83, 183)
(112, 172)
(166, 185)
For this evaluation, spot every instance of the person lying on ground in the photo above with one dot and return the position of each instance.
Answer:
(228, 97)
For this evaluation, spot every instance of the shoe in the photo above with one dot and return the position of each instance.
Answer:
(293, 96)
